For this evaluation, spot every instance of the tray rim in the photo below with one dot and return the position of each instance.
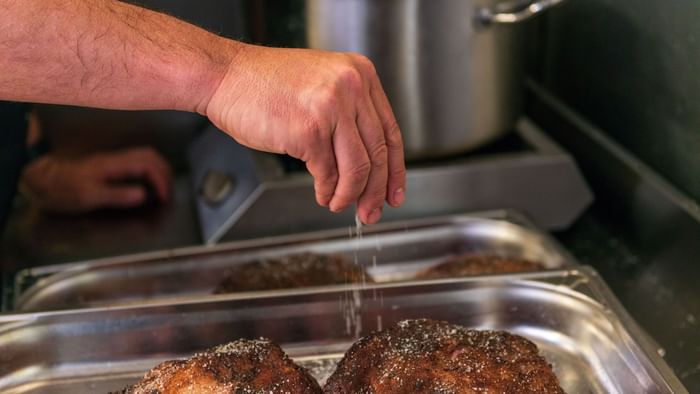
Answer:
(601, 295)
(51, 274)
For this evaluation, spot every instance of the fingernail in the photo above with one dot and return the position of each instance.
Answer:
(374, 216)
(399, 196)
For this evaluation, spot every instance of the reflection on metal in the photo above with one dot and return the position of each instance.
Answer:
(541, 180)
(489, 16)
(571, 315)
(398, 250)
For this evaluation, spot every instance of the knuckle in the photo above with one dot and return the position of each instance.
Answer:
(310, 138)
(397, 174)
(310, 130)
(359, 172)
(366, 64)
(327, 101)
(351, 78)
(393, 134)
(330, 180)
(326, 181)
(375, 196)
(379, 155)
(378, 197)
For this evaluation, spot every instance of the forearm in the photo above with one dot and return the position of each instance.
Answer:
(108, 54)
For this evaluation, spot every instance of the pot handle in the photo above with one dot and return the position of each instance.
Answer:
(487, 16)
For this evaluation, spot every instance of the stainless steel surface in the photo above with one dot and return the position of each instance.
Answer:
(578, 325)
(390, 252)
(239, 168)
(454, 83)
(539, 180)
(642, 234)
(488, 15)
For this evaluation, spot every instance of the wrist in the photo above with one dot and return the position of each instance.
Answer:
(222, 57)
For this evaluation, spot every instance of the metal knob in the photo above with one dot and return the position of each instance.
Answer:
(216, 187)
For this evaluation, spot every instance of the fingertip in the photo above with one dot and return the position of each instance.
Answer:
(336, 208)
(398, 197)
(323, 201)
(324, 194)
(373, 216)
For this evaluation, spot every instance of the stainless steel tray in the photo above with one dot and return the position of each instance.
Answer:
(392, 252)
(593, 344)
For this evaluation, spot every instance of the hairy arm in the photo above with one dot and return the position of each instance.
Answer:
(327, 109)
(107, 54)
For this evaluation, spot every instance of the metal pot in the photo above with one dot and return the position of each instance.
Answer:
(452, 68)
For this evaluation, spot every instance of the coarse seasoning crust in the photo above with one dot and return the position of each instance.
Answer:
(427, 356)
(240, 367)
(477, 264)
(300, 270)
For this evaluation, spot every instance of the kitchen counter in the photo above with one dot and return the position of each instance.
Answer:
(660, 292)
(641, 235)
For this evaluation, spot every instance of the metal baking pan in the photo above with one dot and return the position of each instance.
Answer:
(391, 252)
(580, 328)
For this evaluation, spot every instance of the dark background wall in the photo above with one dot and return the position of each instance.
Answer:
(633, 68)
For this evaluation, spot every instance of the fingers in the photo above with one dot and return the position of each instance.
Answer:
(371, 202)
(135, 163)
(322, 165)
(116, 196)
(352, 162)
(374, 172)
(396, 183)
(141, 163)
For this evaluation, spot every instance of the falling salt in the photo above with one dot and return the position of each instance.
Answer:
(351, 302)
(377, 245)
(352, 305)
(374, 266)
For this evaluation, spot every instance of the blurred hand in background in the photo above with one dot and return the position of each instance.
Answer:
(123, 179)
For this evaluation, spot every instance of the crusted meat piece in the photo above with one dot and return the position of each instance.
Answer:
(243, 366)
(427, 356)
(468, 265)
(294, 271)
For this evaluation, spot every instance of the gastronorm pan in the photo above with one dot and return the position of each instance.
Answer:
(391, 252)
(593, 344)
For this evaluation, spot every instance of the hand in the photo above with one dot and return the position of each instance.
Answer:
(327, 109)
(98, 181)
